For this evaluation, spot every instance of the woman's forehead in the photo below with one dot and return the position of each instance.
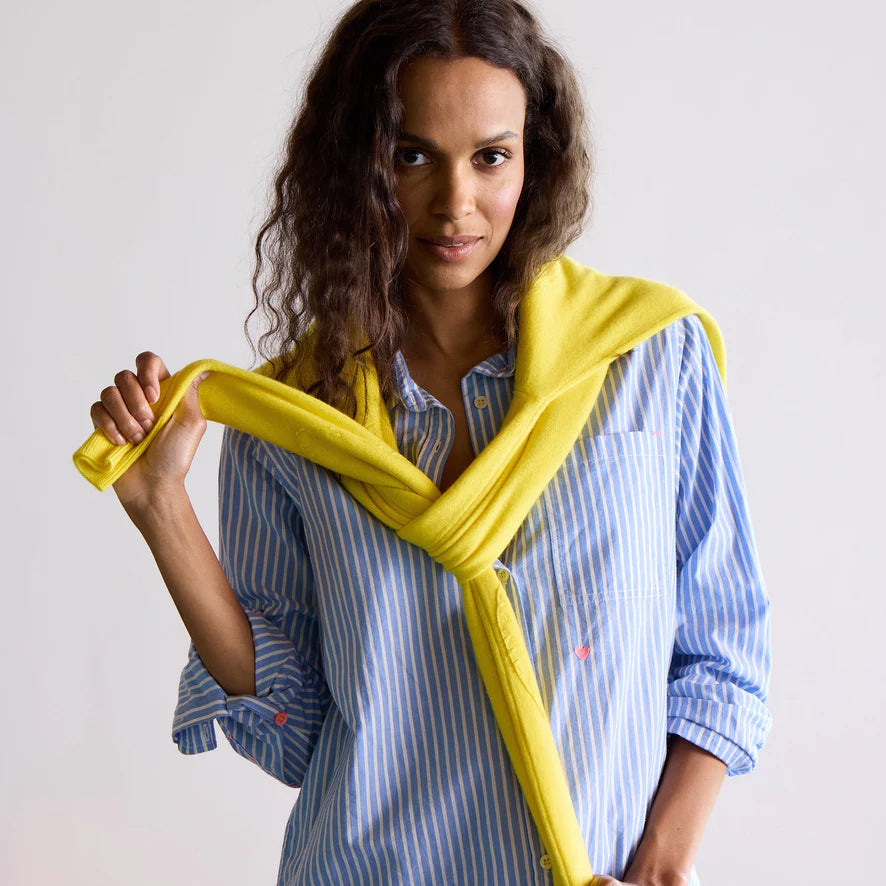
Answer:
(469, 95)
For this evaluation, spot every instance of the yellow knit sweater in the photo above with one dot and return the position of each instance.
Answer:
(574, 321)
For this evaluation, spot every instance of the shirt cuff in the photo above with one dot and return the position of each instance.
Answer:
(731, 732)
(283, 680)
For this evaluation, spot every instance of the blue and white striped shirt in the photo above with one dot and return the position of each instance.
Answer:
(635, 577)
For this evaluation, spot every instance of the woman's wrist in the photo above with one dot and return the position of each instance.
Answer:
(156, 505)
(654, 875)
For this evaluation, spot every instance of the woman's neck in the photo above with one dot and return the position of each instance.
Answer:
(450, 327)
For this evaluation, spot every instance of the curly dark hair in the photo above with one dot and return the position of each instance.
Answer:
(336, 238)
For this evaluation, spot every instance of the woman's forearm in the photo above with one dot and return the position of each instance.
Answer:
(689, 785)
(210, 610)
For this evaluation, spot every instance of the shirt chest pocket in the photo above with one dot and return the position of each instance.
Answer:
(609, 513)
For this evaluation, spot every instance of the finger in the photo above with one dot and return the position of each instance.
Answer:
(112, 400)
(135, 399)
(103, 422)
(150, 371)
(190, 403)
(122, 404)
(194, 388)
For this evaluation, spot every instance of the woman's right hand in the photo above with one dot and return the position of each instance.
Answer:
(123, 413)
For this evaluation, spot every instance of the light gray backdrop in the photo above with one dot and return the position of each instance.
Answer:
(740, 159)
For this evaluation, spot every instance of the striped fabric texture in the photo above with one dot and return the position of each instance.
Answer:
(635, 577)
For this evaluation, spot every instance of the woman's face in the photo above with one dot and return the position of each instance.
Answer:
(459, 164)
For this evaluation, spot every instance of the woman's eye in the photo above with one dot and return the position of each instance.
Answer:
(405, 152)
(505, 155)
(402, 154)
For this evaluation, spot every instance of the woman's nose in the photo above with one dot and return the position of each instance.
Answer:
(454, 194)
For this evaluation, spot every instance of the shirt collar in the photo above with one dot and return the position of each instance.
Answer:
(408, 394)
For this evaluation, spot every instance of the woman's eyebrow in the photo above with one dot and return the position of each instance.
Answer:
(433, 146)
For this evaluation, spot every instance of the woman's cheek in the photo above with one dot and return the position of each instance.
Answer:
(508, 195)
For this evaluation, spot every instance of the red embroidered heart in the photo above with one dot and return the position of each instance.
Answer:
(582, 651)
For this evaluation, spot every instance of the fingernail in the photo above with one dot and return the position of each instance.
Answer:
(151, 393)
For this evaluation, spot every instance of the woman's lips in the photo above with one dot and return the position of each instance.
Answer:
(450, 253)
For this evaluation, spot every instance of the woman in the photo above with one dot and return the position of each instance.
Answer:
(439, 161)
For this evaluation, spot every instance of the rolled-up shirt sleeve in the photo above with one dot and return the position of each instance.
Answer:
(263, 553)
(718, 681)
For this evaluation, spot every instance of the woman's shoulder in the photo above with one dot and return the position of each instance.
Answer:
(669, 310)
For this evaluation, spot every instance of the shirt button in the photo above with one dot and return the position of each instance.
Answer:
(281, 718)
(545, 862)
(480, 402)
